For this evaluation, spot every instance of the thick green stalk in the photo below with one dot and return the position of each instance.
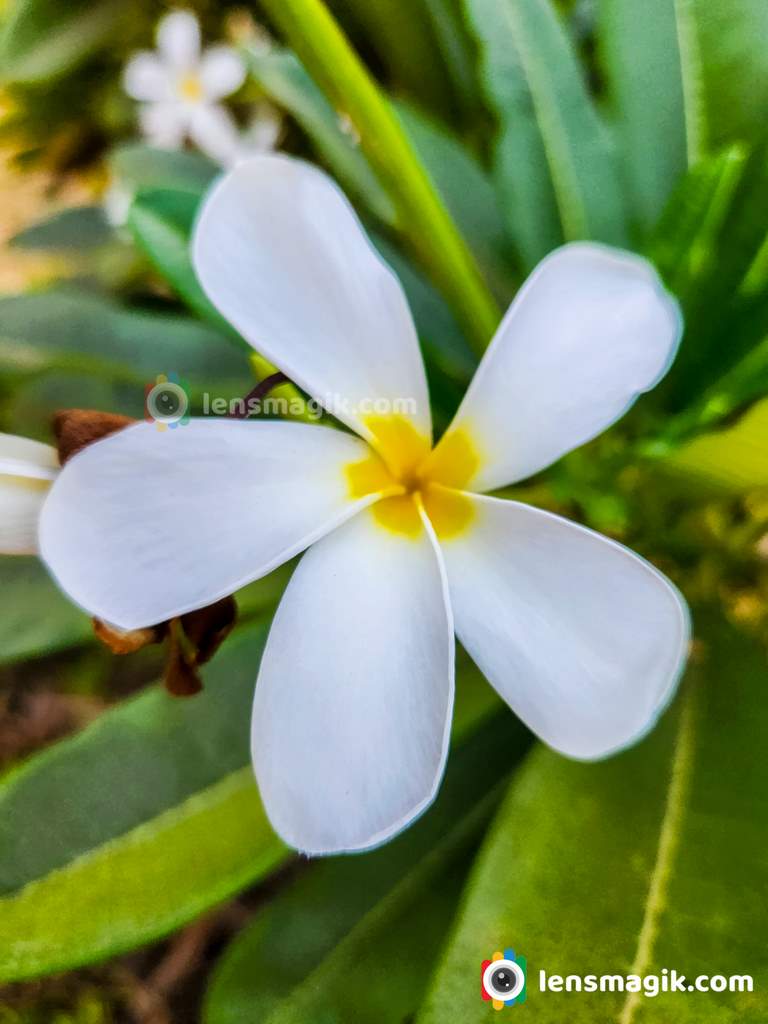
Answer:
(329, 58)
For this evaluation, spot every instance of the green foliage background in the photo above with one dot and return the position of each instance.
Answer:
(473, 136)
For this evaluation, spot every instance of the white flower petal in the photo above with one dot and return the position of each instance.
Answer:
(591, 330)
(20, 456)
(582, 638)
(147, 78)
(263, 133)
(149, 524)
(354, 697)
(21, 501)
(178, 39)
(282, 255)
(116, 203)
(222, 72)
(26, 471)
(164, 124)
(214, 132)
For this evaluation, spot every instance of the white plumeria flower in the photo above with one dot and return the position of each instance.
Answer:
(180, 89)
(26, 471)
(581, 637)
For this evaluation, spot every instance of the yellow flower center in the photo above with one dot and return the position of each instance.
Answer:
(190, 87)
(414, 474)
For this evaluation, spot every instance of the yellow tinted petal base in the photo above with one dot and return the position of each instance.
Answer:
(369, 476)
(454, 461)
(450, 512)
(401, 446)
(403, 462)
(398, 515)
(191, 88)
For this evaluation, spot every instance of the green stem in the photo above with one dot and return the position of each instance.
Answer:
(329, 58)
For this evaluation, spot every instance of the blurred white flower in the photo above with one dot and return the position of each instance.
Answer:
(26, 471)
(116, 203)
(180, 88)
(263, 133)
(351, 718)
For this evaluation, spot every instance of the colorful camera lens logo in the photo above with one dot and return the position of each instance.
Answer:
(502, 979)
(166, 402)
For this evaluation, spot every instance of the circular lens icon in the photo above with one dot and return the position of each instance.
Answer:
(167, 402)
(503, 980)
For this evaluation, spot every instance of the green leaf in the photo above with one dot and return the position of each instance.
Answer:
(143, 885)
(734, 66)
(116, 836)
(457, 47)
(286, 82)
(407, 48)
(444, 345)
(162, 221)
(555, 162)
(34, 400)
(71, 328)
(653, 859)
(378, 973)
(76, 228)
(424, 221)
(137, 166)
(44, 38)
(123, 832)
(734, 459)
(641, 52)
(684, 238)
(35, 617)
(463, 185)
(468, 193)
(295, 939)
(710, 245)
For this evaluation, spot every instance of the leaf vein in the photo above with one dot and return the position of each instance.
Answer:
(681, 774)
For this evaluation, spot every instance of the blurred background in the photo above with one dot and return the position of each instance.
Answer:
(139, 879)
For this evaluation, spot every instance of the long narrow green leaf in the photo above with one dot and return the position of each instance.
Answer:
(74, 229)
(733, 82)
(287, 84)
(125, 831)
(469, 195)
(378, 973)
(463, 185)
(134, 762)
(143, 885)
(291, 937)
(135, 165)
(328, 57)
(555, 161)
(44, 38)
(708, 246)
(35, 617)
(443, 343)
(641, 54)
(685, 238)
(734, 459)
(654, 859)
(161, 221)
(70, 327)
(406, 47)
(116, 836)
(456, 45)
